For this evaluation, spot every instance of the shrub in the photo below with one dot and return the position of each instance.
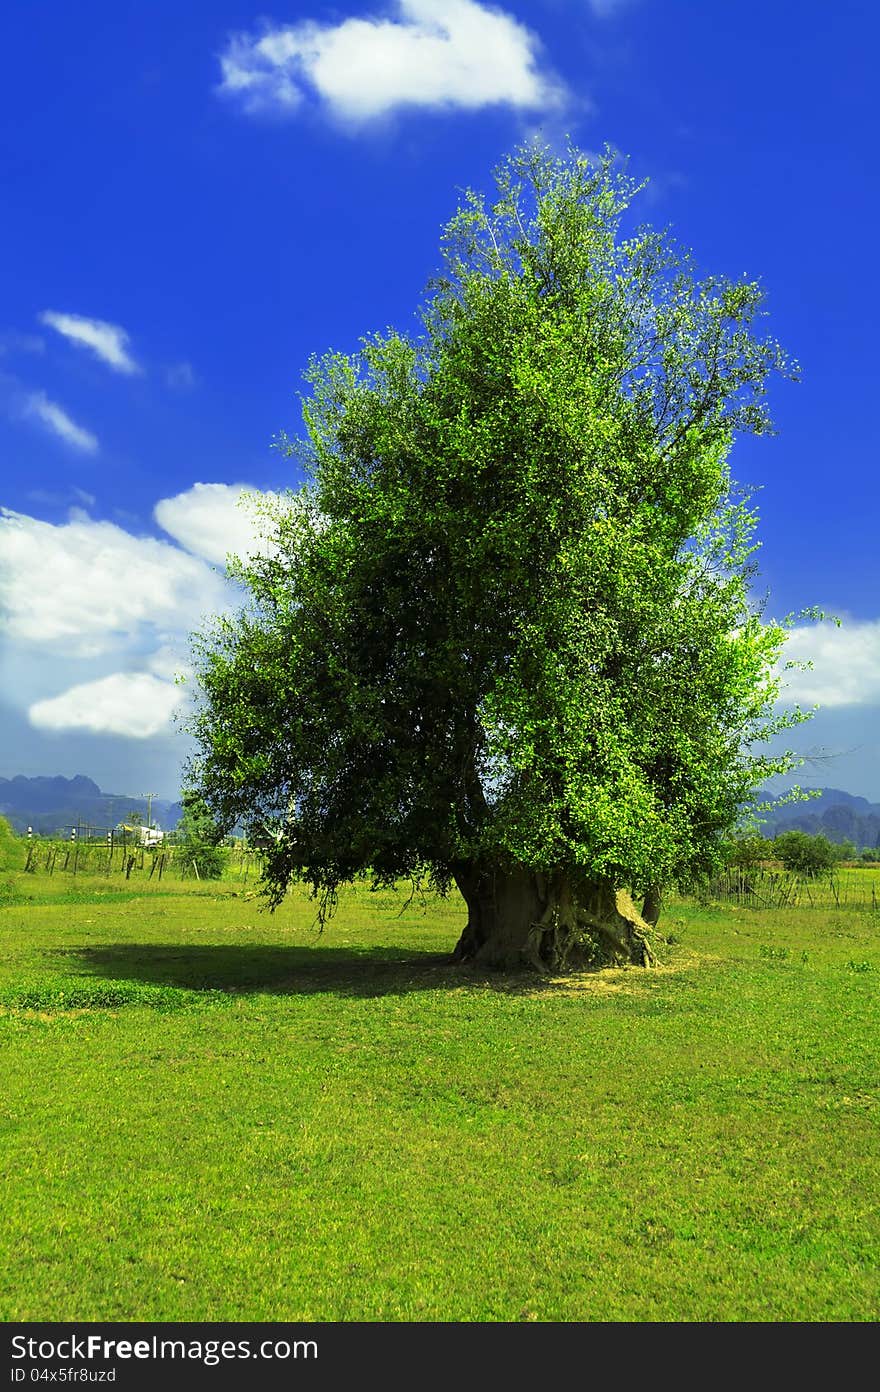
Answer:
(747, 852)
(13, 849)
(198, 841)
(806, 856)
(844, 850)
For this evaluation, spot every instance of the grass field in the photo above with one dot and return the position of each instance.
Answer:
(212, 1113)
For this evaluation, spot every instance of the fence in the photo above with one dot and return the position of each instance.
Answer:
(115, 854)
(780, 889)
(756, 888)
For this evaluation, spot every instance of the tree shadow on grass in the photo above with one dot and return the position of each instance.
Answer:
(245, 969)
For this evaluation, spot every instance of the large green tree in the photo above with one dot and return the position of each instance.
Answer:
(503, 636)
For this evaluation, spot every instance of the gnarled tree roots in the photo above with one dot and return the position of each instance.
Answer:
(519, 918)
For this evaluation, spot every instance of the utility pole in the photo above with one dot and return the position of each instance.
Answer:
(149, 798)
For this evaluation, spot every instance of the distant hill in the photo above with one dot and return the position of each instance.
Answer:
(53, 805)
(838, 815)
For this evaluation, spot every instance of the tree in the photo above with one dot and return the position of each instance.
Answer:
(503, 637)
(747, 852)
(805, 856)
(199, 838)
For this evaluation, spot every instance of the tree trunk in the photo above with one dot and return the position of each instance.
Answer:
(652, 905)
(520, 918)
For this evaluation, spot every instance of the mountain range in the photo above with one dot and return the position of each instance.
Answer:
(54, 806)
(833, 813)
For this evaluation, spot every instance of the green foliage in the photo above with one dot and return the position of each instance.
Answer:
(747, 852)
(198, 837)
(508, 620)
(807, 856)
(13, 849)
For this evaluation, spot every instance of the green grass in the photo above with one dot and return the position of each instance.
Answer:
(208, 1112)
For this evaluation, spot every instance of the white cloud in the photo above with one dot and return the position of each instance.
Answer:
(439, 54)
(134, 704)
(846, 664)
(38, 406)
(90, 588)
(107, 341)
(82, 599)
(169, 663)
(212, 520)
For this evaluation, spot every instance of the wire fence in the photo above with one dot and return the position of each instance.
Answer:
(764, 888)
(119, 855)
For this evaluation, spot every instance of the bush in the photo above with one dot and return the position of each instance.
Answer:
(747, 852)
(200, 861)
(844, 850)
(13, 849)
(198, 841)
(806, 856)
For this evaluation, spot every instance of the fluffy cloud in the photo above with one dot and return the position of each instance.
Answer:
(169, 663)
(107, 341)
(90, 587)
(846, 664)
(213, 520)
(55, 419)
(83, 596)
(136, 704)
(436, 54)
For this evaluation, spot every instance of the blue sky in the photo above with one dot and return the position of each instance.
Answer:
(197, 198)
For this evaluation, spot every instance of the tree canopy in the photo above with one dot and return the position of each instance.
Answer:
(807, 856)
(504, 635)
